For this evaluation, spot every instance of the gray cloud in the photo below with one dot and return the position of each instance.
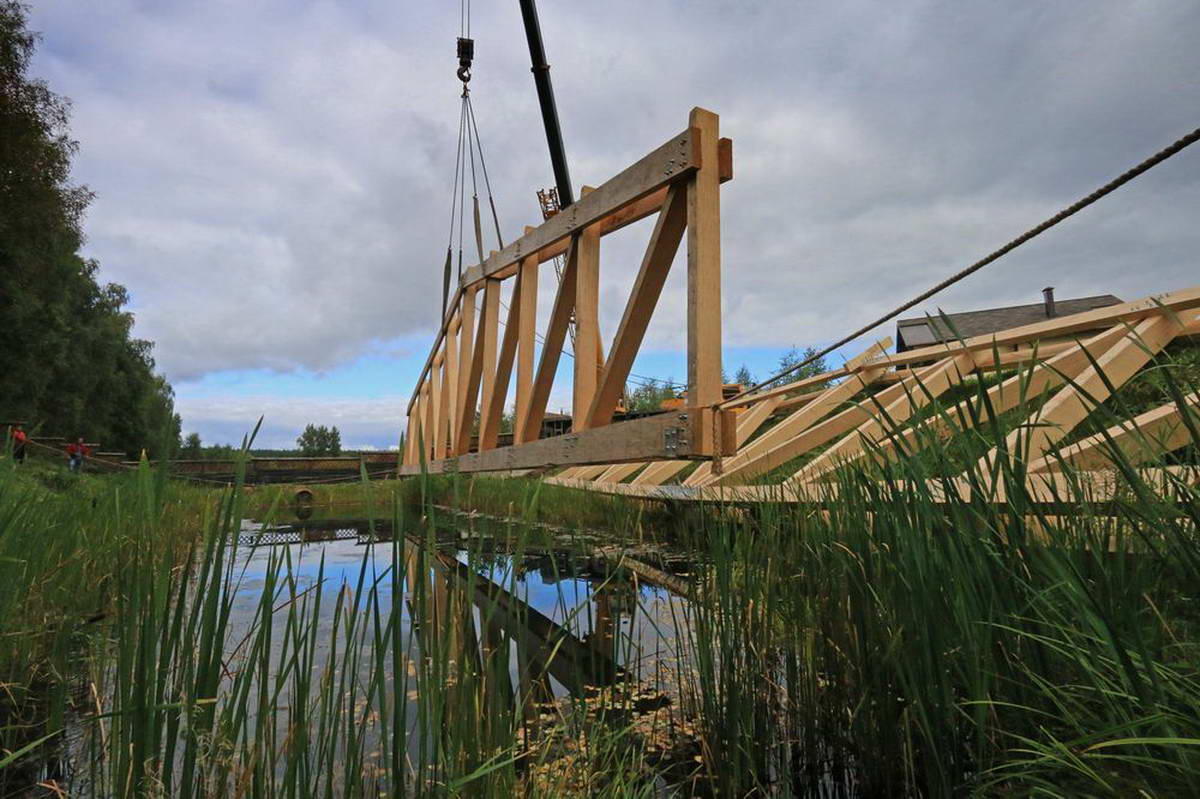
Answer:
(273, 177)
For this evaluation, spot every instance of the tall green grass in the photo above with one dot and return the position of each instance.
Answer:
(898, 638)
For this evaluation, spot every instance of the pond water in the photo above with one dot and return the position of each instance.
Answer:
(608, 613)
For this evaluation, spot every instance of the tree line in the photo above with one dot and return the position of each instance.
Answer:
(69, 363)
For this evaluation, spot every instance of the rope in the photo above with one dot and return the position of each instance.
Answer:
(1070, 210)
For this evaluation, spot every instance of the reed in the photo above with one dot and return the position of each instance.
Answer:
(881, 642)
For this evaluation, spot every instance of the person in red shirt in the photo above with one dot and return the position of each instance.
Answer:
(19, 440)
(76, 452)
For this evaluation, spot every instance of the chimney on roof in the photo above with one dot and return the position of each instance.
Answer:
(1048, 299)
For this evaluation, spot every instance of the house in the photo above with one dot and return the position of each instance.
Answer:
(924, 331)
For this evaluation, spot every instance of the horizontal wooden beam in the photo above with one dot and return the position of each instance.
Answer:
(664, 435)
(676, 159)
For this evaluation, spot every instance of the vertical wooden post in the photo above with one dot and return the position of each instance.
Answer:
(527, 287)
(465, 416)
(450, 400)
(429, 406)
(471, 377)
(587, 326)
(552, 346)
(490, 323)
(410, 432)
(489, 425)
(704, 280)
(438, 381)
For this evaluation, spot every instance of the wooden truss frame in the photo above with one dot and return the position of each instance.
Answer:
(1074, 361)
(469, 369)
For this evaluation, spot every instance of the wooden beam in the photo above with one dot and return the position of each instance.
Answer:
(665, 435)
(1140, 439)
(552, 345)
(933, 383)
(489, 424)
(1026, 385)
(800, 431)
(486, 350)
(587, 326)
(647, 288)
(704, 277)
(464, 416)
(527, 288)
(1071, 405)
(618, 472)
(673, 161)
(450, 394)
(472, 377)
(749, 421)
(872, 353)
(440, 425)
(1059, 327)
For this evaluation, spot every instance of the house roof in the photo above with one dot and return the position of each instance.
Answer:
(920, 331)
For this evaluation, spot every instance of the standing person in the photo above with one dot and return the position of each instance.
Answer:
(19, 440)
(76, 452)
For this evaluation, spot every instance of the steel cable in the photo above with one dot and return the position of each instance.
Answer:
(1070, 210)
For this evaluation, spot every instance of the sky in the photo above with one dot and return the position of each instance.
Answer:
(273, 179)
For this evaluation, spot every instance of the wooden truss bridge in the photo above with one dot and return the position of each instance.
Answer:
(869, 407)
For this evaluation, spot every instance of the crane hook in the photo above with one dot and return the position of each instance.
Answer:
(466, 52)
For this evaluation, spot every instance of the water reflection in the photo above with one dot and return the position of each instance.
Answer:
(538, 623)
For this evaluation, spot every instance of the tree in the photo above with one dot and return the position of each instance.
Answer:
(68, 361)
(648, 396)
(793, 357)
(743, 376)
(191, 447)
(318, 441)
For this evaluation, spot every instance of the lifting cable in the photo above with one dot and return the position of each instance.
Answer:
(469, 146)
(1107, 188)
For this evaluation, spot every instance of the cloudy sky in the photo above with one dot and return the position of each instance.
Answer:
(273, 178)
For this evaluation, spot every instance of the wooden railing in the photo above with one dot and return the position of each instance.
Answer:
(469, 369)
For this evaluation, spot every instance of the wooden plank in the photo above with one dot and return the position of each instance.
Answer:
(439, 413)
(748, 424)
(643, 298)
(431, 409)
(489, 424)
(674, 160)
(587, 326)
(465, 416)
(556, 334)
(450, 395)
(664, 435)
(486, 350)
(618, 472)
(472, 378)
(1071, 405)
(1143, 438)
(635, 211)
(799, 431)
(1006, 395)
(1175, 301)
(704, 277)
(933, 383)
(527, 287)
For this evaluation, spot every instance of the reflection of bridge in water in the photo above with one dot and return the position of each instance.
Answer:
(486, 621)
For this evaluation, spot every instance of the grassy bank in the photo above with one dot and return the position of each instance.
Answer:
(883, 644)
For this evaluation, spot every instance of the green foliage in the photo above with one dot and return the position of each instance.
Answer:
(190, 447)
(743, 376)
(795, 356)
(648, 396)
(68, 362)
(316, 441)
